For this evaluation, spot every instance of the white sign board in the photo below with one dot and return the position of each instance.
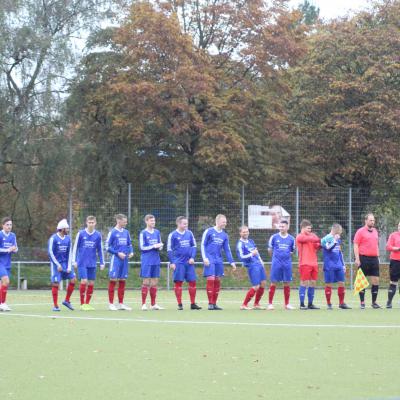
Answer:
(265, 217)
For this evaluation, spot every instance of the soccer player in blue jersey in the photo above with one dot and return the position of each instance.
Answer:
(247, 253)
(213, 241)
(88, 245)
(8, 246)
(59, 249)
(150, 245)
(119, 245)
(181, 247)
(334, 266)
(281, 246)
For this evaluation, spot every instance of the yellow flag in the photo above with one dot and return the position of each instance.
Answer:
(361, 282)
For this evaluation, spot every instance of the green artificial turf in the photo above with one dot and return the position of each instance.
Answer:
(170, 354)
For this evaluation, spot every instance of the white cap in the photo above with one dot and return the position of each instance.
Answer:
(63, 224)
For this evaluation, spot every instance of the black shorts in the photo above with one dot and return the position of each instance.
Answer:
(369, 265)
(394, 270)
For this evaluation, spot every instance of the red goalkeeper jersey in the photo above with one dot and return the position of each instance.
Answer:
(394, 241)
(308, 245)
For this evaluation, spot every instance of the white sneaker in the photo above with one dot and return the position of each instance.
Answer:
(271, 307)
(122, 306)
(259, 307)
(157, 307)
(244, 307)
(112, 307)
(289, 307)
(144, 307)
(4, 307)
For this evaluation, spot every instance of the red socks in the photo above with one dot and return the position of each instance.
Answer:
(210, 291)
(217, 287)
(250, 294)
(82, 291)
(54, 293)
(192, 292)
(259, 294)
(328, 294)
(3, 293)
(286, 293)
(121, 291)
(145, 290)
(153, 294)
(89, 293)
(70, 289)
(271, 293)
(341, 291)
(178, 291)
(111, 288)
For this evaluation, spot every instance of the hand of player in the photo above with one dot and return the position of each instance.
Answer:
(130, 255)
(75, 265)
(59, 268)
(172, 266)
(68, 270)
(12, 249)
(358, 263)
(191, 261)
(122, 256)
(157, 246)
(206, 262)
(337, 237)
(233, 267)
(102, 266)
(254, 252)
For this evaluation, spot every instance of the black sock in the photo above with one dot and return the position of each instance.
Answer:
(374, 292)
(362, 295)
(391, 292)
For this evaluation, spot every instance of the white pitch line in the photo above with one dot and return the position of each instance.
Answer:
(223, 323)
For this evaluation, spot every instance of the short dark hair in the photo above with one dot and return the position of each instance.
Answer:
(148, 216)
(284, 221)
(305, 223)
(118, 217)
(5, 220)
(179, 219)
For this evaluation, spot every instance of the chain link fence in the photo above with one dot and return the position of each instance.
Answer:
(259, 209)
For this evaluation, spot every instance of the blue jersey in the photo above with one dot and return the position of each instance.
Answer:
(282, 249)
(181, 247)
(119, 241)
(7, 241)
(147, 240)
(86, 248)
(333, 257)
(243, 251)
(59, 250)
(212, 243)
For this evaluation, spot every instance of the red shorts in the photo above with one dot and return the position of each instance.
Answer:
(308, 272)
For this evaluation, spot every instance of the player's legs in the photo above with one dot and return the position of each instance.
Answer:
(271, 294)
(276, 276)
(287, 278)
(394, 272)
(179, 276)
(70, 288)
(311, 287)
(122, 277)
(55, 277)
(91, 275)
(219, 272)
(145, 291)
(153, 294)
(5, 282)
(210, 291)
(304, 283)
(113, 275)
(259, 294)
(190, 278)
(82, 273)
(328, 277)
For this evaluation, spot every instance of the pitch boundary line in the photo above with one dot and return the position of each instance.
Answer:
(191, 322)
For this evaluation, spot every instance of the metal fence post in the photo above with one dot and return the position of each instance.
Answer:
(18, 275)
(350, 234)
(297, 210)
(129, 202)
(70, 212)
(187, 202)
(168, 277)
(242, 200)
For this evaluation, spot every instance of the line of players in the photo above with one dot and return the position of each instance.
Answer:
(181, 248)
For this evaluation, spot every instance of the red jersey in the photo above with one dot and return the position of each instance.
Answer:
(367, 241)
(308, 245)
(394, 241)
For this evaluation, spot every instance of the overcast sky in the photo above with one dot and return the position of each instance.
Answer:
(336, 8)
